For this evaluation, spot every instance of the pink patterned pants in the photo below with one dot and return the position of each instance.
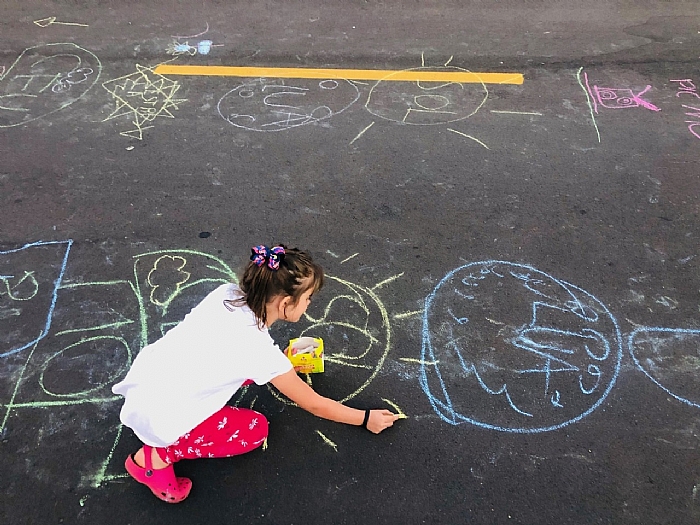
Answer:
(229, 432)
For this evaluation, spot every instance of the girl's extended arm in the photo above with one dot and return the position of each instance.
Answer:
(292, 386)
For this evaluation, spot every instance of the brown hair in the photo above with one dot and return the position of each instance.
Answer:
(260, 284)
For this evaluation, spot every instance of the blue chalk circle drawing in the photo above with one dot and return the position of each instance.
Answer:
(508, 347)
(670, 357)
(29, 280)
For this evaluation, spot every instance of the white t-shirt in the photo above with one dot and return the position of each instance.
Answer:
(180, 380)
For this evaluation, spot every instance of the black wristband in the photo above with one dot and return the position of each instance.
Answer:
(366, 419)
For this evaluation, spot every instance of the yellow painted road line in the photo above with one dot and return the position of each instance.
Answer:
(409, 75)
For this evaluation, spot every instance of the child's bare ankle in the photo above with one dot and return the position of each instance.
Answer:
(156, 462)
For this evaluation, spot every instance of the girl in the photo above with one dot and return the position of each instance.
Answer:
(177, 388)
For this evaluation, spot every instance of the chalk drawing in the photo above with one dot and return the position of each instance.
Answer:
(469, 137)
(581, 79)
(356, 332)
(670, 358)
(203, 47)
(161, 279)
(361, 133)
(177, 48)
(423, 103)
(85, 363)
(85, 354)
(29, 280)
(598, 98)
(142, 96)
(94, 348)
(276, 105)
(617, 98)
(547, 356)
(179, 37)
(167, 285)
(327, 441)
(45, 79)
(686, 86)
(453, 94)
(51, 20)
(396, 408)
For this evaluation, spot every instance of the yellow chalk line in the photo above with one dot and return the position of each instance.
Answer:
(419, 361)
(347, 74)
(327, 441)
(358, 253)
(408, 314)
(393, 405)
(468, 136)
(387, 281)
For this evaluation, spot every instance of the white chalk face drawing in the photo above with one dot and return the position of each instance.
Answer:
(510, 348)
(29, 280)
(278, 104)
(670, 358)
(45, 79)
(426, 103)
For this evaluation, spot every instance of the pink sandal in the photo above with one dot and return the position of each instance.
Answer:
(162, 482)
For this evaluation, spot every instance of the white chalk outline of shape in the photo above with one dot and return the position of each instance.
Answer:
(427, 355)
(71, 101)
(631, 345)
(371, 92)
(307, 119)
(57, 283)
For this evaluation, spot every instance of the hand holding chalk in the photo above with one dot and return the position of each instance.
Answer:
(380, 420)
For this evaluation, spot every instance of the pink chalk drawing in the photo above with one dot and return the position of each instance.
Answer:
(695, 114)
(618, 98)
(686, 87)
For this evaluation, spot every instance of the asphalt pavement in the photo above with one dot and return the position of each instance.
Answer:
(504, 196)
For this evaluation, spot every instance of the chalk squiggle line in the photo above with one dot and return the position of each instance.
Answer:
(193, 36)
(26, 275)
(588, 100)
(631, 345)
(471, 369)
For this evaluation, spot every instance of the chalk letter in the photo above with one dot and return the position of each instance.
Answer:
(690, 128)
(696, 115)
(686, 84)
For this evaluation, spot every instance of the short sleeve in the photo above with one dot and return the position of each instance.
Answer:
(270, 363)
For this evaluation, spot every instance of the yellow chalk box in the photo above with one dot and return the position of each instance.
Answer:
(306, 354)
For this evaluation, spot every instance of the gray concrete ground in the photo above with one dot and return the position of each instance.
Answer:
(512, 266)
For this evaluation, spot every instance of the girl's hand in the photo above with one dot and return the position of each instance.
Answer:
(380, 420)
